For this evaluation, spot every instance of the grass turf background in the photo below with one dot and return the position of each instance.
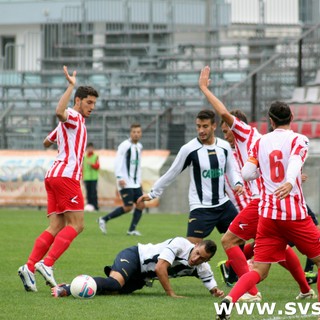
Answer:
(91, 251)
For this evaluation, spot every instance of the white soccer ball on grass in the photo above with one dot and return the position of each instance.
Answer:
(83, 287)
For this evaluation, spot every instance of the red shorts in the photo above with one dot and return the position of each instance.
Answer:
(245, 224)
(63, 194)
(273, 237)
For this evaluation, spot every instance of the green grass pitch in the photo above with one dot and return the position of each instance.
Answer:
(91, 251)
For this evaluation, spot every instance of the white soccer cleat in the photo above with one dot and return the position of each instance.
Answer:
(102, 225)
(47, 273)
(134, 233)
(247, 297)
(309, 295)
(28, 279)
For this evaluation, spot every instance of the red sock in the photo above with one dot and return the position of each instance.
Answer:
(292, 264)
(239, 264)
(244, 284)
(248, 250)
(61, 243)
(40, 248)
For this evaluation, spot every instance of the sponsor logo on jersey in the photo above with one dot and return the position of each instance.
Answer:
(212, 173)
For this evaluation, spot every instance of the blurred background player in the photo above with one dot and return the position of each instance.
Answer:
(128, 174)
(208, 158)
(137, 266)
(62, 182)
(91, 167)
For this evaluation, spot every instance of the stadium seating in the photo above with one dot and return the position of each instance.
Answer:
(312, 95)
(317, 131)
(298, 95)
(295, 126)
(307, 129)
(263, 127)
(315, 113)
(300, 112)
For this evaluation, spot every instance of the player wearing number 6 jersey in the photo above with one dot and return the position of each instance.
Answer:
(244, 226)
(279, 156)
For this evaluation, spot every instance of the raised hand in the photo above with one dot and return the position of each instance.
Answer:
(204, 80)
(70, 79)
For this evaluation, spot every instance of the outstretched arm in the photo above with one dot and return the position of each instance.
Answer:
(218, 106)
(161, 270)
(61, 111)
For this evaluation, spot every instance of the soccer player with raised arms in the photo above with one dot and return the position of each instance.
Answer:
(208, 159)
(62, 182)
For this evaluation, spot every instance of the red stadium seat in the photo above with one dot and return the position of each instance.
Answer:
(306, 129)
(301, 112)
(315, 112)
(294, 126)
(317, 131)
(253, 124)
(263, 127)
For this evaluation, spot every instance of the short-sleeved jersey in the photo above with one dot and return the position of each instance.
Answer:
(245, 135)
(128, 163)
(207, 166)
(71, 138)
(176, 251)
(239, 201)
(273, 152)
(52, 136)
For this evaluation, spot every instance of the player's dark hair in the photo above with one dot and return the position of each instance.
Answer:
(90, 144)
(280, 113)
(135, 125)
(85, 91)
(207, 114)
(238, 114)
(209, 246)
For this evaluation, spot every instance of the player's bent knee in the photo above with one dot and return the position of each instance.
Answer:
(127, 209)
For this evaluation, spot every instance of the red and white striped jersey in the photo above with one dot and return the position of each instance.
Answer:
(52, 136)
(239, 201)
(273, 151)
(245, 135)
(71, 137)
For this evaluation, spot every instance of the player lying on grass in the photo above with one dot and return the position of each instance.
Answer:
(137, 266)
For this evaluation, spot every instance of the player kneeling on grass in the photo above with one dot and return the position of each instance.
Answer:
(137, 266)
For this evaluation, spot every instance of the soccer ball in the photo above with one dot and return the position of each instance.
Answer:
(83, 287)
(89, 207)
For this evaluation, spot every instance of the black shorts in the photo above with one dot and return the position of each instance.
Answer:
(127, 262)
(202, 221)
(130, 195)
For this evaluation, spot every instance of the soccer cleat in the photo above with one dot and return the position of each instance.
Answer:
(60, 291)
(223, 314)
(309, 295)
(47, 273)
(247, 297)
(311, 277)
(102, 225)
(28, 279)
(134, 233)
(228, 279)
